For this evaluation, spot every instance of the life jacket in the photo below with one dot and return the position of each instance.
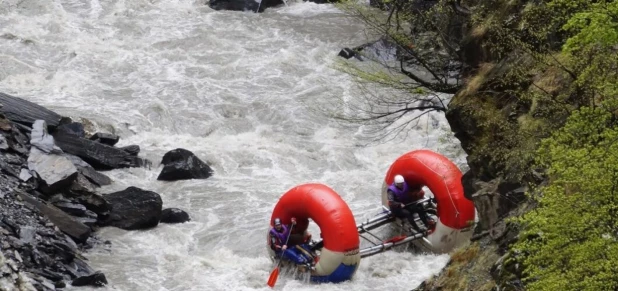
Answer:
(401, 195)
(280, 236)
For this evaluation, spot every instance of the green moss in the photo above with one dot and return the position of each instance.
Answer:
(468, 269)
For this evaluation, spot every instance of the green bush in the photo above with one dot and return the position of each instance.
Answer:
(571, 239)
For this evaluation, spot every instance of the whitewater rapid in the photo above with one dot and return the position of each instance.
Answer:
(244, 92)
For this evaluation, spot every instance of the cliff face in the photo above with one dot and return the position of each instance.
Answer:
(500, 115)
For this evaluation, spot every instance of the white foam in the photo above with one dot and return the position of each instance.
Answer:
(245, 93)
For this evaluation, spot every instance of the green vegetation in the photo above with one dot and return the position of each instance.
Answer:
(537, 89)
(571, 239)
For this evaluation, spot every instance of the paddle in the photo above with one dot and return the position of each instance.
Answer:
(275, 273)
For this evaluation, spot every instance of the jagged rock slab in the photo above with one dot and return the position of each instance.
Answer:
(18, 141)
(25, 112)
(181, 164)
(40, 138)
(105, 138)
(99, 156)
(55, 171)
(95, 279)
(174, 215)
(67, 224)
(131, 149)
(88, 171)
(134, 208)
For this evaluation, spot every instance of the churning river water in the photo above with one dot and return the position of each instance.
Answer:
(245, 92)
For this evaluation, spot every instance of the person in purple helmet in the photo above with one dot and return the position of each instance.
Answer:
(400, 195)
(278, 238)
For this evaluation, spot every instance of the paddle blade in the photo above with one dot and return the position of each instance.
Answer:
(273, 277)
(395, 239)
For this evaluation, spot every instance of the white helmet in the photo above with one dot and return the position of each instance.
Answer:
(398, 179)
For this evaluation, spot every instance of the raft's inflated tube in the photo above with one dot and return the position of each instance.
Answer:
(340, 258)
(443, 178)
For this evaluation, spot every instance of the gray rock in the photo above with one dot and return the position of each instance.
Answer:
(55, 171)
(40, 138)
(88, 171)
(25, 175)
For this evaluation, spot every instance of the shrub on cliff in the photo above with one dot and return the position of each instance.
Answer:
(572, 237)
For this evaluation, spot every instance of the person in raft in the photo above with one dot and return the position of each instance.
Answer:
(400, 195)
(278, 237)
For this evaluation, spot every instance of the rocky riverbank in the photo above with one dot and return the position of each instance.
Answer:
(50, 202)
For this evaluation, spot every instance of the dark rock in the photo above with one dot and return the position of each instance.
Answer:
(88, 171)
(14, 159)
(82, 191)
(131, 149)
(72, 208)
(60, 284)
(74, 128)
(78, 268)
(19, 142)
(65, 249)
(6, 168)
(105, 138)
(63, 221)
(41, 283)
(96, 279)
(243, 5)
(134, 208)
(95, 203)
(25, 112)
(89, 221)
(181, 164)
(348, 53)
(54, 171)
(174, 215)
(99, 156)
(81, 186)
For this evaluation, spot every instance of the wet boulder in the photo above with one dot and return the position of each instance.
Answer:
(134, 208)
(95, 279)
(244, 5)
(105, 138)
(174, 215)
(131, 149)
(74, 128)
(25, 112)
(181, 164)
(98, 155)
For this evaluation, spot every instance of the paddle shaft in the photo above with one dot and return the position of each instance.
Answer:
(286, 243)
